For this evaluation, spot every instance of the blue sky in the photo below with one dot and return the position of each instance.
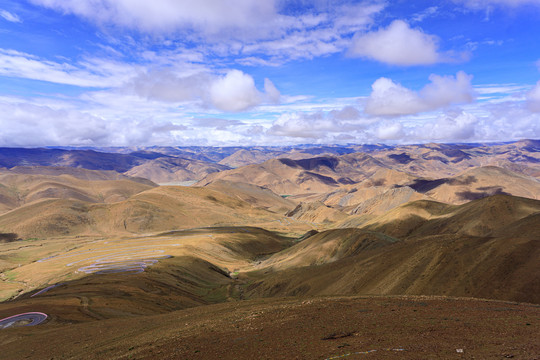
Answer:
(247, 72)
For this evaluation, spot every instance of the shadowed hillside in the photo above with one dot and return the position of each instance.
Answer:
(419, 248)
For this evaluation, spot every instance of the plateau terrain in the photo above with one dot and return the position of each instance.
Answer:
(416, 251)
(276, 179)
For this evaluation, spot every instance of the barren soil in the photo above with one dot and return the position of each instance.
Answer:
(292, 328)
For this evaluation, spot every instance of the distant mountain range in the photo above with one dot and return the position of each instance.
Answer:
(180, 164)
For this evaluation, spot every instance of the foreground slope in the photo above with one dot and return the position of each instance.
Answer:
(318, 328)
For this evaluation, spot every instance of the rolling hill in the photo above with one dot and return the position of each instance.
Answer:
(24, 185)
(421, 247)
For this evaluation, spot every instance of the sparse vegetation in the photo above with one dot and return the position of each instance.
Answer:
(231, 261)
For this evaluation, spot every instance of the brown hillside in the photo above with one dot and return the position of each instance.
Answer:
(447, 160)
(316, 212)
(158, 209)
(24, 185)
(255, 195)
(474, 250)
(315, 328)
(311, 175)
(326, 247)
(476, 218)
(480, 182)
(171, 170)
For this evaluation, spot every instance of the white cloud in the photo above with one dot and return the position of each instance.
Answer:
(235, 91)
(454, 126)
(302, 125)
(426, 13)
(166, 85)
(479, 4)
(391, 99)
(321, 125)
(218, 123)
(103, 119)
(32, 125)
(114, 118)
(91, 73)
(508, 120)
(10, 16)
(390, 131)
(533, 98)
(255, 32)
(300, 44)
(210, 16)
(398, 44)
(272, 93)
(346, 113)
(354, 17)
(484, 121)
(506, 89)
(308, 35)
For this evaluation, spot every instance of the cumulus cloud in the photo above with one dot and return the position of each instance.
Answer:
(10, 16)
(165, 85)
(398, 44)
(391, 99)
(533, 98)
(29, 123)
(234, 91)
(327, 125)
(454, 126)
(390, 131)
(347, 113)
(301, 125)
(33, 125)
(508, 120)
(272, 93)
